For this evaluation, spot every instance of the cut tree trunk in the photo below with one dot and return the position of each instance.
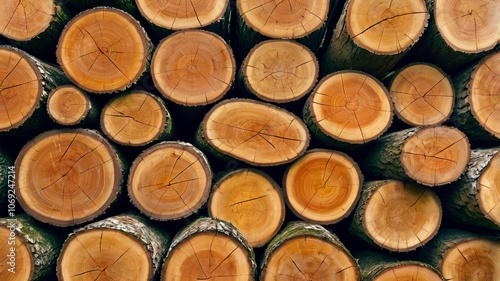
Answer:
(28, 250)
(303, 251)
(422, 95)
(379, 267)
(323, 186)
(396, 216)
(477, 110)
(193, 67)
(347, 108)
(170, 180)
(104, 50)
(122, 247)
(302, 20)
(209, 249)
(69, 106)
(26, 82)
(68, 176)
(372, 36)
(473, 199)
(136, 118)
(460, 32)
(431, 156)
(464, 256)
(254, 132)
(252, 201)
(279, 71)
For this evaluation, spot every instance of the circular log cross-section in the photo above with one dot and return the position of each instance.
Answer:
(422, 95)
(182, 14)
(103, 50)
(193, 67)
(468, 26)
(280, 71)
(284, 19)
(20, 88)
(397, 216)
(68, 105)
(17, 259)
(488, 187)
(170, 180)
(323, 186)
(66, 177)
(257, 133)
(350, 107)
(136, 118)
(24, 20)
(252, 202)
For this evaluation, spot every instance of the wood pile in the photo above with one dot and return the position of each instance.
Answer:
(250, 140)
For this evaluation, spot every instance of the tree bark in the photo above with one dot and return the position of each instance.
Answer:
(323, 186)
(396, 216)
(209, 249)
(122, 247)
(252, 201)
(68, 176)
(169, 181)
(372, 36)
(69, 106)
(303, 251)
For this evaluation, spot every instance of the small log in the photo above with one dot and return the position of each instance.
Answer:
(209, 249)
(431, 156)
(252, 201)
(375, 266)
(170, 180)
(422, 95)
(122, 247)
(69, 106)
(348, 107)
(477, 109)
(104, 50)
(67, 177)
(323, 186)
(303, 251)
(372, 36)
(396, 216)
(193, 67)
(279, 71)
(254, 132)
(473, 199)
(136, 118)
(463, 256)
(28, 250)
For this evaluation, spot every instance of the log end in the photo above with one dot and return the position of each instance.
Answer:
(18, 262)
(488, 187)
(68, 105)
(22, 22)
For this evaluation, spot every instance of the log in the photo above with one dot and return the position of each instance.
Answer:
(103, 50)
(257, 133)
(396, 216)
(68, 176)
(193, 67)
(322, 186)
(372, 36)
(431, 156)
(279, 71)
(473, 199)
(348, 108)
(477, 109)
(422, 95)
(252, 201)
(463, 256)
(29, 250)
(122, 247)
(379, 267)
(69, 106)
(209, 249)
(136, 118)
(169, 181)
(303, 251)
